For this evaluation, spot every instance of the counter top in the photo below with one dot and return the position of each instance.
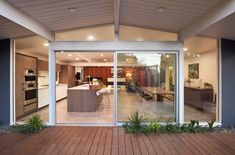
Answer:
(85, 87)
(46, 87)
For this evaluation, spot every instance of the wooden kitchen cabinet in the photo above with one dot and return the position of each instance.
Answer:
(67, 75)
(19, 85)
(42, 65)
(30, 62)
(58, 68)
(23, 63)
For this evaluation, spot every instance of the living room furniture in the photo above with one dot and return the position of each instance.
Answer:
(197, 96)
(157, 92)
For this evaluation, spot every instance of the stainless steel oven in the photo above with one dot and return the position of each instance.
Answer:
(30, 90)
(30, 76)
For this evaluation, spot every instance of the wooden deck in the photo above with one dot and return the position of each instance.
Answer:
(111, 140)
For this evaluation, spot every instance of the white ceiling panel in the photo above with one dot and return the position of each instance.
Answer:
(177, 14)
(55, 14)
(9, 29)
(222, 29)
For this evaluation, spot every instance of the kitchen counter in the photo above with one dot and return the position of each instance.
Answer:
(43, 94)
(83, 98)
(47, 86)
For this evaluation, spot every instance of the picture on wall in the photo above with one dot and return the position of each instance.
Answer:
(193, 71)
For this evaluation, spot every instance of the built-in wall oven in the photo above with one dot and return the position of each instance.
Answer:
(30, 90)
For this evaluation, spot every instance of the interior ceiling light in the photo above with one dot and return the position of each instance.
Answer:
(185, 49)
(161, 9)
(77, 58)
(69, 55)
(105, 59)
(90, 37)
(46, 44)
(101, 54)
(72, 9)
(61, 51)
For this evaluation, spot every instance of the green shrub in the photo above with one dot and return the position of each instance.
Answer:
(135, 123)
(210, 125)
(32, 125)
(153, 127)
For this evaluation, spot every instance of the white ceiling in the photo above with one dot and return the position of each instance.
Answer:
(89, 57)
(55, 16)
(200, 45)
(222, 29)
(9, 29)
(178, 14)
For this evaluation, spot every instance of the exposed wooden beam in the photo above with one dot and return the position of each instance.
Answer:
(224, 9)
(10, 12)
(116, 9)
(84, 57)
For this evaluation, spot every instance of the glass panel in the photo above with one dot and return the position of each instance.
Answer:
(201, 79)
(128, 33)
(83, 82)
(98, 33)
(146, 83)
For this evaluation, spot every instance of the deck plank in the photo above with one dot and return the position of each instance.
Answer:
(108, 144)
(129, 148)
(121, 141)
(101, 146)
(113, 140)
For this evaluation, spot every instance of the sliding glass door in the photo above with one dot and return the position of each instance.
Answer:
(146, 83)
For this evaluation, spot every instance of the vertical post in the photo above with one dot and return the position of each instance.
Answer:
(12, 81)
(115, 86)
(52, 87)
(180, 93)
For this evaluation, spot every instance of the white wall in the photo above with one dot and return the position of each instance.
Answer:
(208, 68)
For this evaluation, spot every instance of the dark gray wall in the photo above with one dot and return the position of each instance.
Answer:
(5, 81)
(228, 82)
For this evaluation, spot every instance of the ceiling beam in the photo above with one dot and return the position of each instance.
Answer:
(116, 9)
(84, 57)
(224, 9)
(10, 12)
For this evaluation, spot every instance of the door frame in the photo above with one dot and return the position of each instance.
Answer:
(116, 46)
(176, 101)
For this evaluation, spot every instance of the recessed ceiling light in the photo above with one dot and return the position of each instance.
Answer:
(161, 9)
(139, 39)
(198, 55)
(105, 59)
(185, 49)
(61, 51)
(127, 59)
(77, 58)
(72, 9)
(90, 37)
(101, 54)
(69, 55)
(46, 44)
(167, 56)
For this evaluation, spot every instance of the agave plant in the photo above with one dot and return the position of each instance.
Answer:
(136, 120)
(32, 125)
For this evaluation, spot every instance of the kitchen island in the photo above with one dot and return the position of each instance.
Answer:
(83, 98)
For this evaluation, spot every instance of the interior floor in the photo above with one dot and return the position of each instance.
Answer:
(127, 104)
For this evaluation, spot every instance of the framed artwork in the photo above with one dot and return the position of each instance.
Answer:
(193, 71)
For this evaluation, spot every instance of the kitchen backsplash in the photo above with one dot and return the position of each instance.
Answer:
(43, 78)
